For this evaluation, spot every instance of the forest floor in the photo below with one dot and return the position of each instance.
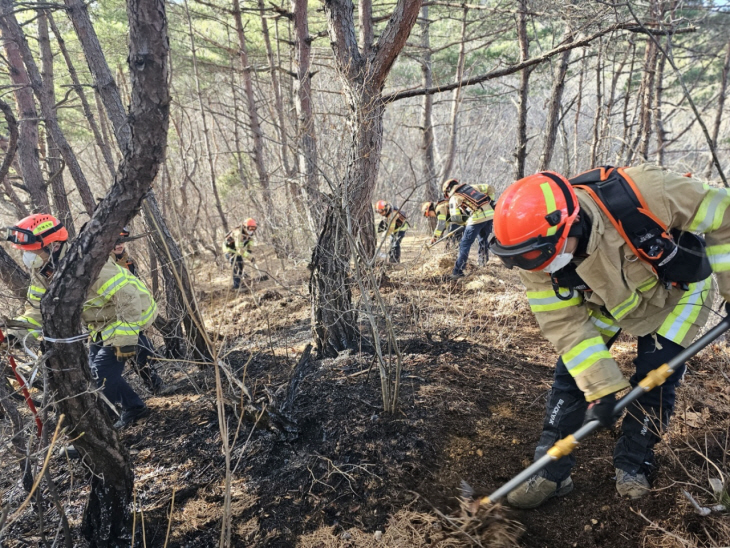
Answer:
(476, 372)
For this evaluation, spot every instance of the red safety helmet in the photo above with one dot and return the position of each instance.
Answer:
(36, 232)
(532, 220)
(382, 207)
(250, 223)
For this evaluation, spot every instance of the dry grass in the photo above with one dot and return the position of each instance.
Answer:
(489, 528)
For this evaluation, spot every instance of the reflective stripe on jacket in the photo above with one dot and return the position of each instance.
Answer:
(464, 210)
(625, 293)
(442, 218)
(396, 221)
(118, 306)
(238, 242)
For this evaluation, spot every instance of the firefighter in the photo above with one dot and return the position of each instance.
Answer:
(238, 246)
(594, 266)
(117, 309)
(395, 225)
(472, 207)
(120, 255)
(440, 210)
(145, 349)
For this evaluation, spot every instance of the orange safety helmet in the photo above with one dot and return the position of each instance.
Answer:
(36, 232)
(427, 207)
(532, 220)
(250, 223)
(382, 207)
(125, 232)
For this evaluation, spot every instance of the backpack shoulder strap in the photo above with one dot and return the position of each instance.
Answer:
(620, 199)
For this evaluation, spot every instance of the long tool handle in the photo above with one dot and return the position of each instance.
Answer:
(653, 379)
(24, 389)
(442, 238)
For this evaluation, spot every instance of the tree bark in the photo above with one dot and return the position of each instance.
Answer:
(720, 106)
(107, 521)
(520, 153)
(363, 78)
(555, 105)
(62, 209)
(28, 158)
(307, 140)
(47, 106)
(432, 192)
(13, 275)
(646, 96)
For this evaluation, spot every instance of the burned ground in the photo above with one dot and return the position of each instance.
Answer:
(343, 473)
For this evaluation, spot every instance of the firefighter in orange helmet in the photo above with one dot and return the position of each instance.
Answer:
(118, 308)
(395, 225)
(585, 249)
(238, 246)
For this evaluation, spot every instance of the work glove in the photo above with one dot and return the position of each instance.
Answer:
(433, 241)
(382, 227)
(124, 352)
(601, 410)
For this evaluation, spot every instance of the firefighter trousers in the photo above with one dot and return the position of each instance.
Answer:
(394, 253)
(479, 232)
(642, 424)
(106, 370)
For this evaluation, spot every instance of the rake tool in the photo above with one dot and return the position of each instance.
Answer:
(23, 387)
(654, 378)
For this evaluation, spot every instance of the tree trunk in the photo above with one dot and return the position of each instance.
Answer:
(363, 77)
(276, 88)
(101, 140)
(13, 275)
(625, 113)
(253, 114)
(176, 311)
(204, 121)
(307, 141)
(579, 103)
(646, 96)
(720, 106)
(456, 103)
(432, 192)
(520, 153)
(555, 105)
(11, 149)
(28, 158)
(47, 106)
(107, 521)
(661, 133)
(596, 140)
(53, 154)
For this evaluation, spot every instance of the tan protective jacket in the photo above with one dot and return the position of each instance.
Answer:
(117, 308)
(238, 242)
(442, 218)
(464, 211)
(625, 292)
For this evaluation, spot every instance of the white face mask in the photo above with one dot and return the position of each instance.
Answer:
(31, 260)
(560, 261)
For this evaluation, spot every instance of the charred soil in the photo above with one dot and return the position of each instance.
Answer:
(336, 471)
